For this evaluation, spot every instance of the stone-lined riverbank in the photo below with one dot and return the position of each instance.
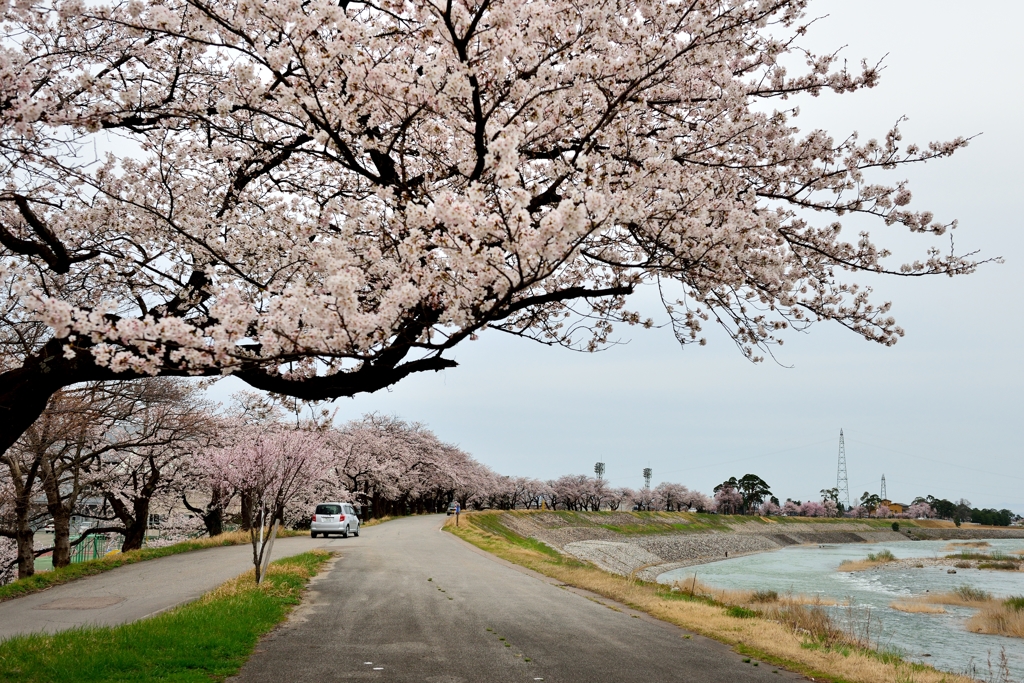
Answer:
(644, 546)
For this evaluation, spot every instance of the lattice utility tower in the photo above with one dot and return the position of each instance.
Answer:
(647, 477)
(842, 483)
(884, 497)
(599, 470)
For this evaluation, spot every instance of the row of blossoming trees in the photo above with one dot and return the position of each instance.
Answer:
(117, 458)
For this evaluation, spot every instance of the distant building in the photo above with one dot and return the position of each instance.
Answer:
(894, 508)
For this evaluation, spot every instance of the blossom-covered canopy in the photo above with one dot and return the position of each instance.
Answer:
(323, 197)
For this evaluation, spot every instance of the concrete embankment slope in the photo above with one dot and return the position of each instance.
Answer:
(648, 544)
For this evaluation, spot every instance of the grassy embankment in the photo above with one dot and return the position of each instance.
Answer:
(43, 580)
(634, 523)
(780, 630)
(207, 640)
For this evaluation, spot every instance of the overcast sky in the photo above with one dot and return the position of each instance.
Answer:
(937, 414)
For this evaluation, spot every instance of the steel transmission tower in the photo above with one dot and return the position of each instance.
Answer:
(842, 483)
(884, 497)
(599, 470)
(647, 477)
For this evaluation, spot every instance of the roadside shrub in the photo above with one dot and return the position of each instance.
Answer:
(895, 526)
(740, 612)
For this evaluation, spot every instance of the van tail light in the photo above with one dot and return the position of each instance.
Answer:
(342, 518)
(314, 518)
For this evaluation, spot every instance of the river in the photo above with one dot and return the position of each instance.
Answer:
(936, 639)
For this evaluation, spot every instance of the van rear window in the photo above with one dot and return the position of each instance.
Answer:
(328, 509)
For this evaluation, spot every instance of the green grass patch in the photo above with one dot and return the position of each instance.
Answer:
(972, 594)
(1005, 566)
(1015, 602)
(884, 555)
(43, 580)
(741, 612)
(207, 640)
(491, 522)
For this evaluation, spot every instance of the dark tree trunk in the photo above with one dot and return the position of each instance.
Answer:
(247, 521)
(26, 538)
(135, 532)
(212, 516)
(61, 536)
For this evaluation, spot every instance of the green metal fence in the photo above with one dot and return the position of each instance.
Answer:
(89, 549)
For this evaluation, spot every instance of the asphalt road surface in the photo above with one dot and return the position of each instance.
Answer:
(137, 591)
(409, 603)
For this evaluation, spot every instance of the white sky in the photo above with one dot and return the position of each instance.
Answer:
(935, 413)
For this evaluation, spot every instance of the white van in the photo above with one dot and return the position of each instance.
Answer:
(334, 518)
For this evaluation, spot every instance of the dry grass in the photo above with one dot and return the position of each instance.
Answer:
(746, 598)
(798, 637)
(873, 560)
(915, 607)
(247, 581)
(375, 521)
(955, 546)
(964, 596)
(1000, 617)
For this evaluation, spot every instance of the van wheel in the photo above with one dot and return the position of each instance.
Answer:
(312, 534)
(356, 532)
(344, 534)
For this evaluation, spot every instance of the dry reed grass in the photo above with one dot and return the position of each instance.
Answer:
(998, 618)
(964, 596)
(747, 598)
(915, 607)
(789, 641)
(873, 560)
(960, 545)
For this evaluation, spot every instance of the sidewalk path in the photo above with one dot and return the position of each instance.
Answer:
(140, 590)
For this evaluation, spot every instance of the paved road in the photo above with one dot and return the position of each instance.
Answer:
(408, 603)
(138, 590)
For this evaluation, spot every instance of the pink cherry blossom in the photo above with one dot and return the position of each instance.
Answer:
(323, 198)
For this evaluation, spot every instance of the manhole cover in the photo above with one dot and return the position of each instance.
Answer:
(96, 602)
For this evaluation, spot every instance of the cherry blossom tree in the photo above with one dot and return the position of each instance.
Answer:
(919, 510)
(858, 511)
(147, 454)
(323, 198)
(617, 497)
(671, 497)
(769, 508)
(698, 501)
(831, 507)
(813, 508)
(270, 465)
(791, 508)
(728, 501)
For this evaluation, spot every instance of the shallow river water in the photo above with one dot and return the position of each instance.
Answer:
(936, 639)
